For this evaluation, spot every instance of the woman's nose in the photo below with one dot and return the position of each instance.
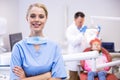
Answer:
(37, 18)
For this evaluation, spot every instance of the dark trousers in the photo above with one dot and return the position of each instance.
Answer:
(73, 75)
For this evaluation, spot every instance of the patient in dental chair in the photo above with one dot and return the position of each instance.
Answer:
(104, 57)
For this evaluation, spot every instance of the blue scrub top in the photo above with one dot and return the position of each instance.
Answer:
(47, 59)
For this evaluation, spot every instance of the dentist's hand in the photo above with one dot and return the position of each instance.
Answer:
(83, 29)
(19, 72)
(99, 28)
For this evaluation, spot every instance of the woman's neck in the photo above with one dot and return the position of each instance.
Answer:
(36, 34)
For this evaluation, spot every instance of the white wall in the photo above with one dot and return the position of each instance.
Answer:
(57, 21)
(108, 8)
(15, 12)
(9, 10)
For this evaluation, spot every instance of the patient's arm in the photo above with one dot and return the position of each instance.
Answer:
(20, 73)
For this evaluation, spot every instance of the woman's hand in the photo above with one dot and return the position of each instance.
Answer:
(45, 76)
(19, 72)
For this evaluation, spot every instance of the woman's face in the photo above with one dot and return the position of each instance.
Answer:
(37, 19)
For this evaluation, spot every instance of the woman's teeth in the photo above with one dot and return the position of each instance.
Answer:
(36, 25)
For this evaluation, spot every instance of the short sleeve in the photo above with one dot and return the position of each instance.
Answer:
(15, 61)
(58, 68)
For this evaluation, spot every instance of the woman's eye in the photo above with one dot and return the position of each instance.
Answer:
(41, 16)
(32, 15)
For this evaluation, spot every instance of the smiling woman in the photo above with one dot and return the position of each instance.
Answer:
(36, 57)
(37, 16)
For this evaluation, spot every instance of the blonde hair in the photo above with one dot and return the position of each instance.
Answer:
(39, 5)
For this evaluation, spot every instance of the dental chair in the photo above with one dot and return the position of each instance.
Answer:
(110, 76)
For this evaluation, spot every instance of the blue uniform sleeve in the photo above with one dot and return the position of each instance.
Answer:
(58, 67)
(15, 61)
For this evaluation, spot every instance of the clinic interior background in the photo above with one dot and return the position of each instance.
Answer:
(60, 16)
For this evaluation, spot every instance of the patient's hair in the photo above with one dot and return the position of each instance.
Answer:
(79, 14)
(95, 40)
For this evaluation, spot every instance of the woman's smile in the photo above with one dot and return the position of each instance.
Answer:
(36, 24)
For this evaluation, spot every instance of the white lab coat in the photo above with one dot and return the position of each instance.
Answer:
(76, 43)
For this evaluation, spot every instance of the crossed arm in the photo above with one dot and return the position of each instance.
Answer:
(20, 73)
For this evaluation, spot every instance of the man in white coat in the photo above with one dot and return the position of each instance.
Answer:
(76, 42)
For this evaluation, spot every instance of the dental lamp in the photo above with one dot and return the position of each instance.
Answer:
(104, 17)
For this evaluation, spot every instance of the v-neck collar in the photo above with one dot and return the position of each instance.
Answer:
(36, 51)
